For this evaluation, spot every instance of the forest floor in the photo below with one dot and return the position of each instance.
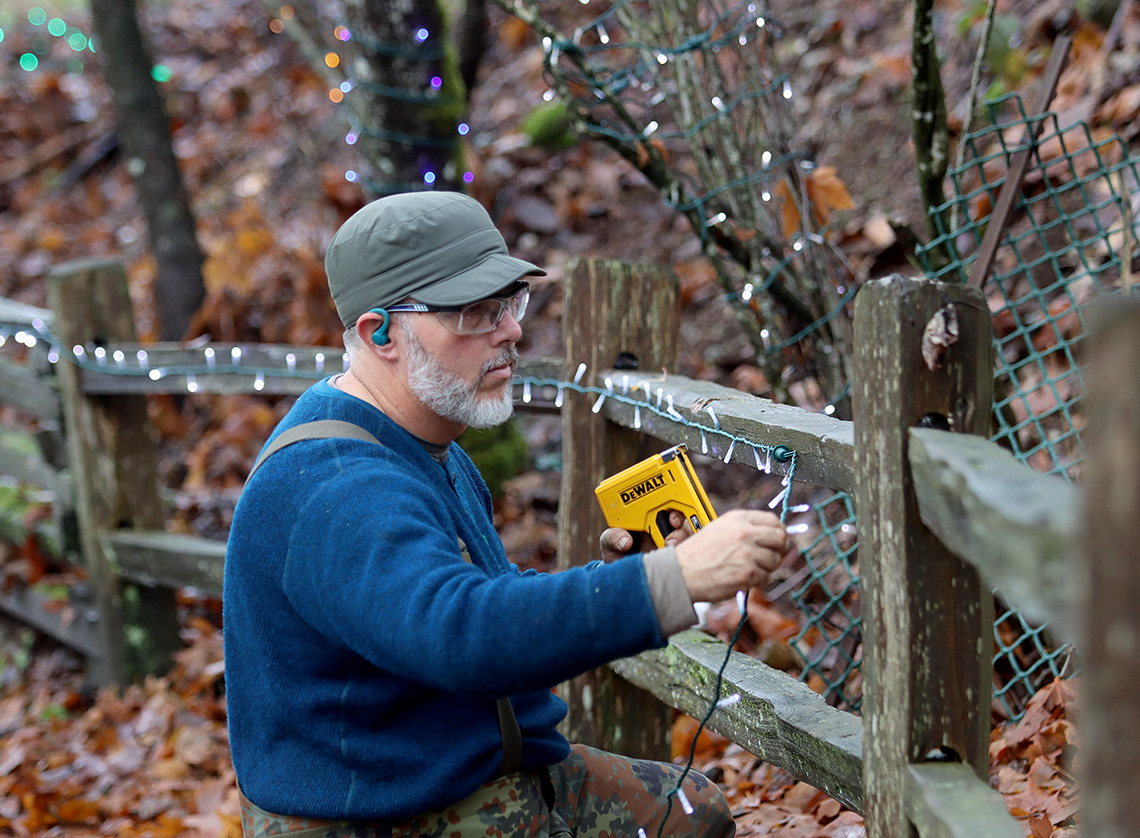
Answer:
(263, 154)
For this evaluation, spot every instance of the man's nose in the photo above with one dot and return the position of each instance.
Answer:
(508, 330)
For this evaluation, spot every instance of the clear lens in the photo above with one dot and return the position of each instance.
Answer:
(485, 315)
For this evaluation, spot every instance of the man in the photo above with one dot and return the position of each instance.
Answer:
(388, 671)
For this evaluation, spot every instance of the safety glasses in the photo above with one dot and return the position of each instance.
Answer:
(479, 317)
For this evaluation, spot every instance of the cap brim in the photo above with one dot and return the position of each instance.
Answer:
(491, 275)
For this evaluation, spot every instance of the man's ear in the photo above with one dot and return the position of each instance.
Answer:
(372, 328)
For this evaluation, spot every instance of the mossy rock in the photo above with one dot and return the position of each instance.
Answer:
(550, 126)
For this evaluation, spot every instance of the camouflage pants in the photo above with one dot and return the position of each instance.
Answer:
(590, 794)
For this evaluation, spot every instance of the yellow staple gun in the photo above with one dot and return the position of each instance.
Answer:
(640, 498)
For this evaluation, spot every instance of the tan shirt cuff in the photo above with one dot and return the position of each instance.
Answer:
(667, 590)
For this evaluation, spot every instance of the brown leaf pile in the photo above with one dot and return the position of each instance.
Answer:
(151, 762)
(154, 760)
(1031, 763)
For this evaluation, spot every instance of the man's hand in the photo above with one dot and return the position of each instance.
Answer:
(736, 551)
(616, 542)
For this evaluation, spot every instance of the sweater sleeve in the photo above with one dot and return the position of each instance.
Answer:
(670, 595)
(372, 562)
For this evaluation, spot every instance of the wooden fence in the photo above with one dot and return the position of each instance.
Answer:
(944, 516)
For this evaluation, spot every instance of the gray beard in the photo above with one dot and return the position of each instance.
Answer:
(448, 395)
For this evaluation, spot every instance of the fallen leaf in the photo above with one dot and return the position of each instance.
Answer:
(828, 809)
(1044, 775)
(1039, 826)
(789, 212)
(941, 332)
(709, 744)
(827, 193)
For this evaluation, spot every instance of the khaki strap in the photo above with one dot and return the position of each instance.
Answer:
(336, 429)
(321, 429)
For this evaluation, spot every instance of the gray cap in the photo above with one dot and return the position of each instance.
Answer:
(439, 247)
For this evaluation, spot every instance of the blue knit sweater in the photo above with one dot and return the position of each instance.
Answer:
(364, 656)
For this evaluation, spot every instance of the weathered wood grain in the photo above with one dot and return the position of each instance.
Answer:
(927, 618)
(778, 718)
(15, 313)
(76, 626)
(609, 308)
(1016, 526)
(1110, 619)
(20, 457)
(948, 800)
(824, 446)
(174, 560)
(28, 391)
(114, 464)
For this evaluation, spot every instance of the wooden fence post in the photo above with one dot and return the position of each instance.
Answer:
(1110, 712)
(927, 618)
(115, 472)
(609, 308)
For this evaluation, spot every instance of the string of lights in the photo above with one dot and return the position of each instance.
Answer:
(593, 37)
(421, 47)
(46, 30)
(658, 403)
(655, 402)
(610, 69)
(732, 26)
(314, 363)
(673, 92)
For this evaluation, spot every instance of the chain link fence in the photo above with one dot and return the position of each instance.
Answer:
(1063, 249)
(686, 78)
(831, 638)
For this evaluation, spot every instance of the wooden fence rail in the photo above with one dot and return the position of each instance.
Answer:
(936, 510)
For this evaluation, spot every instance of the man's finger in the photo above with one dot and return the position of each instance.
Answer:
(616, 542)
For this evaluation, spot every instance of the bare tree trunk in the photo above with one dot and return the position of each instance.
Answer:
(471, 40)
(144, 133)
(408, 93)
(931, 135)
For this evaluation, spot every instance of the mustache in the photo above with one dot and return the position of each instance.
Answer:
(510, 355)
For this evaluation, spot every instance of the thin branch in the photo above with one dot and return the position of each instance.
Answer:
(972, 99)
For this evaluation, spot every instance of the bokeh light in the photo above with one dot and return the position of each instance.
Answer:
(468, 177)
(75, 66)
(276, 26)
(350, 138)
(345, 86)
(336, 95)
(36, 16)
(29, 62)
(350, 176)
(422, 35)
(161, 73)
(429, 177)
(342, 33)
(436, 82)
(463, 129)
(56, 26)
(286, 12)
(1, 34)
(332, 59)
